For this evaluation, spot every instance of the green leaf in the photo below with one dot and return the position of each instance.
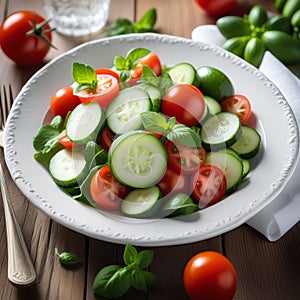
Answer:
(147, 22)
(85, 76)
(144, 259)
(138, 280)
(67, 258)
(119, 62)
(150, 278)
(154, 122)
(184, 135)
(112, 282)
(57, 123)
(130, 255)
(134, 56)
(45, 138)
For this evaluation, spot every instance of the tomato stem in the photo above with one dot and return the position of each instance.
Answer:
(39, 31)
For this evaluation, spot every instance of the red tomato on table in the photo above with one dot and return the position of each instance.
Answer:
(23, 49)
(184, 102)
(216, 7)
(210, 275)
(106, 191)
(63, 101)
(208, 185)
(238, 105)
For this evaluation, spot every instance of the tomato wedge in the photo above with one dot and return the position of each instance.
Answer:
(238, 105)
(106, 191)
(152, 61)
(66, 142)
(183, 158)
(107, 137)
(208, 185)
(107, 89)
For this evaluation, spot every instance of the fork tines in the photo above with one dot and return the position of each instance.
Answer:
(6, 101)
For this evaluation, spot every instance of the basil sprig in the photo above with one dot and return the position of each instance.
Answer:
(85, 76)
(114, 281)
(67, 258)
(183, 134)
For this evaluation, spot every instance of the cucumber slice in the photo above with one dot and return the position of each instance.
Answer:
(248, 144)
(85, 122)
(246, 167)
(137, 159)
(154, 94)
(213, 105)
(68, 167)
(184, 73)
(123, 112)
(230, 165)
(220, 131)
(141, 203)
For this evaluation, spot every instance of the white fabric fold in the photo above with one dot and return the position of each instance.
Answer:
(274, 220)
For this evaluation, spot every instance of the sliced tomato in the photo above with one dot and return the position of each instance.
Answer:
(106, 191)
(173, 183)
(63, 101)
(208, 185)
(152, 61)
(107, 137)
(183, 158)
(108, 72)
(66, 142)
(238, 105)
(107, 89)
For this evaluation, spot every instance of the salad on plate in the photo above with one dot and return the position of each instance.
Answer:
(145, 140)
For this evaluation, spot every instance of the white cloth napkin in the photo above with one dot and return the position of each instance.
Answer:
(283, 212)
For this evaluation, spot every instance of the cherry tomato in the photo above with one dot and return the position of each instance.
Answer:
(106, 191)
(63, 101)
(183, 158)
(184, 102)
(152, 61)
(107, 137)
(208, 185)
(216, 7)
(66, 142)
(25, 50)
(239, 105)
(210, 275)
(108, 72)
(107, 89)
(173, 183)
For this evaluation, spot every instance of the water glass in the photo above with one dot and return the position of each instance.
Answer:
(77, 17)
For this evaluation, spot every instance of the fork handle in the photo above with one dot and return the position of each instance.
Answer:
(20, 268)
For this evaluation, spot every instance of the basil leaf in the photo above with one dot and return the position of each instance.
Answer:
(154, 122)
(144, 259)
(124, 75)
(45, 138)
(130, 255)
(180, 204)
(119, 62)
(184, 135)
(67, 258)
(57, 123)
(85, 76)
(134, 56)
(138, 280)
(150, 278)
(147, 22)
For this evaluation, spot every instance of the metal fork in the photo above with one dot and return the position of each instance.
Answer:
(20, 268)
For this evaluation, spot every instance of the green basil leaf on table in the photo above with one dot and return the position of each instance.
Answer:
(67, 258)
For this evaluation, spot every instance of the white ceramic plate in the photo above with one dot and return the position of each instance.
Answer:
(272, 168)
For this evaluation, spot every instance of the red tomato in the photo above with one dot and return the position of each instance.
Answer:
(208, 185)
(25, 50)
(173, 183)
(107, 137)
(184, 102)
(63, 101)
(107, 89)
(108, 72)
(106, 191)
(66, 142)
(216, 7)
(152, 61)
(239, 105)
(210, 275)
(183, 158)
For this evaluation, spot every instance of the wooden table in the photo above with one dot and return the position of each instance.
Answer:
(266, 270)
